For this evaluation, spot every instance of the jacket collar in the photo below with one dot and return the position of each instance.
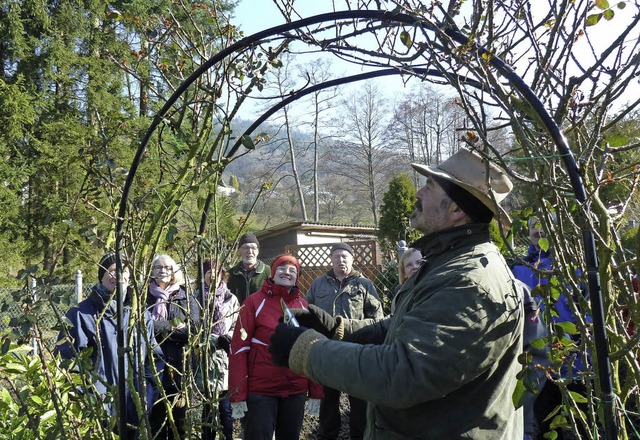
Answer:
(238, 270)
(102, 301)
(354, 273)
(438, 242)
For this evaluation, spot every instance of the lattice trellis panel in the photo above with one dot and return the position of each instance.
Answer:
(315, 260)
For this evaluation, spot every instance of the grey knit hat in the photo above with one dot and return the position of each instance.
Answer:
(342, 247)
(248, 238)
(106, 261)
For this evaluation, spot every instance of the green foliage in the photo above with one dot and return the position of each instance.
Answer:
(618, 179)
(397, 206)
(607, 11)
(496, 237)
(629, 238)
(39, 400)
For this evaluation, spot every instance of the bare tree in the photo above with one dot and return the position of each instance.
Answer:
(364, 155)
(283, 83)
(426, 123)
(323, 102)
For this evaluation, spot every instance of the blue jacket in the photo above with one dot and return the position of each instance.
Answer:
(94, 325)
(539, 259)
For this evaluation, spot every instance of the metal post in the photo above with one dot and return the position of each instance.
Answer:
(122, 349)
(32, 281)
(78, 286)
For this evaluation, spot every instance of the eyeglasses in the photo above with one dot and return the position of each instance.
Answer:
(287, 269)
(167, 268)
(249, 247)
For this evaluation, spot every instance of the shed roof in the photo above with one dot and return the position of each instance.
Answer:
(315, 227)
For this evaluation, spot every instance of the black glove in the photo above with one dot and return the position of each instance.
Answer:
(317, 319)
(281, 343)
(224, 343)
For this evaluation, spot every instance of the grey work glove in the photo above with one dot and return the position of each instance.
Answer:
(313, 407)
(238, 409)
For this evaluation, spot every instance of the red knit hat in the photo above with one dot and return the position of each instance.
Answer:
(283, 259)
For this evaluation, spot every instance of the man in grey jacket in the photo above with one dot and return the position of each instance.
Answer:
(343, 292)
(444, 365)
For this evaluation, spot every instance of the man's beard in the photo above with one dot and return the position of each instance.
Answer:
(417, 210)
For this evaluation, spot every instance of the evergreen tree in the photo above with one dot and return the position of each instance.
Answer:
(397, 205)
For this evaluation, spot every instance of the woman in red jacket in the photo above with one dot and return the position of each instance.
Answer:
(270, 398)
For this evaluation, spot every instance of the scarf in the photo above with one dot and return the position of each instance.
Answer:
(220, 310)
(103, 301)
(162, 296)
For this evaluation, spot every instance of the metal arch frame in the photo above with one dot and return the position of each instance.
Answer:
(515, 81)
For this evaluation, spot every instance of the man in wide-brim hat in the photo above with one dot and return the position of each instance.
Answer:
(444, 365)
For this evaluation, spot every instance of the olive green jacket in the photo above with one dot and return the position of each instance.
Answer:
(444, 365)
(238, 284)
(354, 298)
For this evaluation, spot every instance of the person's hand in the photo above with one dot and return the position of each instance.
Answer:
(224, 343)
(313, 407)
(238, 409)
(281, 343)
(317, 319)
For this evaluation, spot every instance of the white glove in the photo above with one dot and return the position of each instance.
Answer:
(313, 407)
(238, 409)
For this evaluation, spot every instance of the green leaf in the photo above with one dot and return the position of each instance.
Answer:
(5, 346)
(544, 244)
(12, 367)
(559, 422)
(538, 344)
(172, 231)
(5, 396)
(593, 19)
(608, 14)
(406, 39)
(579, 398)
(621, 5)
(37, 400)
(247, 142)
(555, 293)
(602, 4)
(524, 358)
(48, 415)
(518, 394)
(568, 327)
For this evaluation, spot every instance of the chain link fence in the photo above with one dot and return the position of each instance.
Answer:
(52, 301)
(46, 302)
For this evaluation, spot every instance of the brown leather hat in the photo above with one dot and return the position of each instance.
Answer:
(468, 169)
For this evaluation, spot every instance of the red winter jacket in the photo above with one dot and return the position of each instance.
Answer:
(250, 368)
